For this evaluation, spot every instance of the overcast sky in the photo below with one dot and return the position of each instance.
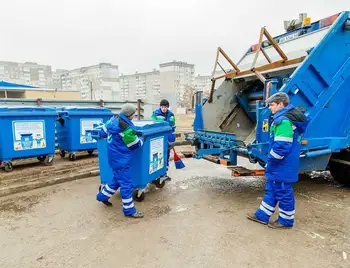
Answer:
(140, 34)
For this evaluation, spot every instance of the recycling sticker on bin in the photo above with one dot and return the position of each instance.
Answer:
(156, 154)
(28, 135)
(86, 127)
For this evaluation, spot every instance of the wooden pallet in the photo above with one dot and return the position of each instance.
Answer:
(238, 171)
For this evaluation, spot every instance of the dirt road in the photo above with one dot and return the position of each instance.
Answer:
(197, 220)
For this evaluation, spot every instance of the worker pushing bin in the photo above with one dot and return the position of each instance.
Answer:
(27, 133)
(148, 162)
(74, 127)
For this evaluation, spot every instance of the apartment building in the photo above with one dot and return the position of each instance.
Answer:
(175, 78)
(202, 82)
(94, 82)
(144, 86)
(28, 73)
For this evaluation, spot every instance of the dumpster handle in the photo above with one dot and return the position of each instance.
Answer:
(61, 121)
(64, 113)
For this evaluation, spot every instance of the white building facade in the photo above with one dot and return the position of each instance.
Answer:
(97, 82)
(144, 86)
(202, 82)
(175, 78)
(28, 73)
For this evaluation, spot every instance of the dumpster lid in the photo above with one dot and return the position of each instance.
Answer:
(26, 109)
(149, 127)
(85, 111)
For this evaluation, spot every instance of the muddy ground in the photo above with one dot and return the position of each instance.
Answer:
(196, 220)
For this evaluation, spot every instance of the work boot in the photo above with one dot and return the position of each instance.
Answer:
(136, 215)
(277, 225)
(107, 203)
(251, 216)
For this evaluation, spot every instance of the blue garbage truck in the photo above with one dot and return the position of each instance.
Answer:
(311, 63)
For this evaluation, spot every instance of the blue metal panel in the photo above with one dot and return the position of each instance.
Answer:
(297, 32)
(321, 86)
(73, 129)
(198, 121)
(148, 162)
(27, 132)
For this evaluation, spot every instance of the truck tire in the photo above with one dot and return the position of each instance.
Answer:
(339, 166)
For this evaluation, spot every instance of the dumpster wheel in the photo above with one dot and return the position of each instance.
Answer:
(8, 166)
(72, 157)
(63, 153)
(41, 158)
(138, 197)
(48, 160)
(159, 183)
(339, 166)
(90, 152)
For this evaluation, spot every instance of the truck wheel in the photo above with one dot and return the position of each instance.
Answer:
(339, 166)
(72, 157)
(159, 184)
(63, 153)
(8, 166)
(138, 198)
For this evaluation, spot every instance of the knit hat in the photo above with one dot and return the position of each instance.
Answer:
(278, 98)
(128, 109)
(164, 103)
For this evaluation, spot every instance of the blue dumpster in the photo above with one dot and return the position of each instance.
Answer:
(74, 126)
(26, 133)
(148, 162)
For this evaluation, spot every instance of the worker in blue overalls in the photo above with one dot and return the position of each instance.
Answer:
(164, 114)
(283, 162)
(122, 140)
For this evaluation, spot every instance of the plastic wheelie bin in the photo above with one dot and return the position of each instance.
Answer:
(148, 162)
(27, 133)
(74, 126)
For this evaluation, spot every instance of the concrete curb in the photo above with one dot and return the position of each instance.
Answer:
(39, 184)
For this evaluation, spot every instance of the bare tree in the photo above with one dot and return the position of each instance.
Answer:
(186, 101)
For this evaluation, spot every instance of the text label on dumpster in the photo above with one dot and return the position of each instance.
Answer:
(28, 135)
(156, 154)
(86, 126)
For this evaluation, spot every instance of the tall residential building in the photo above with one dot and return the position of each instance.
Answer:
(95, 82)
(56, 81)
(175, 78)
(143, 86)
(28, 73)
(202, 82)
